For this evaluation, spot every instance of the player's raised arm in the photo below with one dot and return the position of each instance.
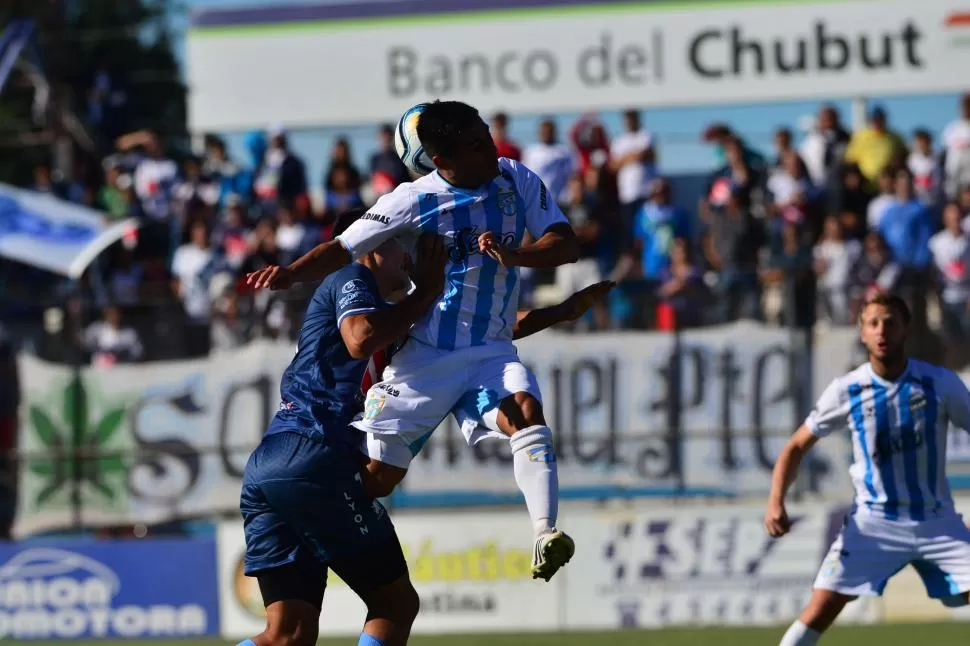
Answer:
(529, 322)
(828, 416)
(366, 333)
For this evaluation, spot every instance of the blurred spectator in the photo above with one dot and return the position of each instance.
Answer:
(956, 151)
(658, 223)
(790, 267)
(506, 147)
(586, 221)
(964, 201)
(290, 234)
(342, 182)
(386, 168)
(875, 271)
(907, 225)
(951, 257)
(44, 183)
(824, 147)
(115, 197)
(552, 161)
(791, 189)
(922, 164)
(229, 331)
(109, 342)
(193, 187)
(783, 147)
(281, 175)
(885, 199)
(722, 137)
(682, 291)
(731, 245)
(736, 178)
(851, 202)
(589, 138)
(231, 235)
(193, 266)
(230, 177)
(834, 258)
(126, 281)
(875, 148)
(155, 174)
(633, 158)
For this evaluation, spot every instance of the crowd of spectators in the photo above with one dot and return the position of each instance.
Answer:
(796, 237)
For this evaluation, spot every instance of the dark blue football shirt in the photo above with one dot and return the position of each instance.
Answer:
(320, 390)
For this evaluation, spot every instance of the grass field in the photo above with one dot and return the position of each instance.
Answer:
(951, 634)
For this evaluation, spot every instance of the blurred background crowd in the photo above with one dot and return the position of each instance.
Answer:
(796, 236)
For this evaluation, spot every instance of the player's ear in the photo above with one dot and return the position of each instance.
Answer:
(441, 162)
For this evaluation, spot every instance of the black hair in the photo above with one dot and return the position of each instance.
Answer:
(444, 126)
(345, 219)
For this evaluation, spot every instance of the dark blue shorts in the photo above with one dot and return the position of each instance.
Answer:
(303, 503)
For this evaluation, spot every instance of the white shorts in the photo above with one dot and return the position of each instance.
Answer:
(870, 550)
(422, 385)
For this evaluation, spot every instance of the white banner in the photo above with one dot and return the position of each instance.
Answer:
(695, 565)
(43, 231)
(571, 59)
(472, 572)
(176, 436)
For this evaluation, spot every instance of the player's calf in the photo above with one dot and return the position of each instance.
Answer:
(822, 609)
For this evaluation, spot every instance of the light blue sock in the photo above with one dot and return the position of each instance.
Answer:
(367, 640)
(246, 642)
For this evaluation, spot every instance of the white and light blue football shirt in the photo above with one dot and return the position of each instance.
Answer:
(898, 431)
(481, 297)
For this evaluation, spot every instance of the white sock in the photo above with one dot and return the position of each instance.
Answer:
(537, 475)
(800, 635)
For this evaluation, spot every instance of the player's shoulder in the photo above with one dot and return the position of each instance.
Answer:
(512, 167)
(857, 378)
(938, 376)
(349, 278)
(397, 202)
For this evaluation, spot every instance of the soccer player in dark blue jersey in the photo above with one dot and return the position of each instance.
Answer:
(303, 503)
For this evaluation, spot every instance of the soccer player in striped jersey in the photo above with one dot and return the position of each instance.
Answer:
(897, 412)
(459, 358)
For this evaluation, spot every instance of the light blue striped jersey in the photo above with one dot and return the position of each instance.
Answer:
(898, 431)
(481, 297)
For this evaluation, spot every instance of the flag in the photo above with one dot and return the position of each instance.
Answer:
(43, 231)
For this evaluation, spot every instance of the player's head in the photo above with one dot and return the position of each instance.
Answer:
(883, 324)
(458, 142)
(389, 262)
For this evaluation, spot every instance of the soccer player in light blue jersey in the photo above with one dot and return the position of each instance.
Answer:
(459, 358)
(897, 412)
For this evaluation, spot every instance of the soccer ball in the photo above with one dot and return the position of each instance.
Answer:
(407, 144)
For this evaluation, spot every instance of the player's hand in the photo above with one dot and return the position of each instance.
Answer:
(580, 302)
(272, 277)
(489, 245)
(429, 269)
(776, 520)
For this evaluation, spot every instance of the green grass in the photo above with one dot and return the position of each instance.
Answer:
(951, 634)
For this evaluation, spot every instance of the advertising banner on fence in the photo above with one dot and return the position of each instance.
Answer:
(560, 55)
(472, 572)
(127, 589)
(640, 414)
(695, 565)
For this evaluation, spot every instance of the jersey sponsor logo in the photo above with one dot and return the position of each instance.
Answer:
(889, 445)
(354, 285)
(373, 406)
(466, 243)
(506, 202)
(360, 299)
(376, 217)
(390, 390)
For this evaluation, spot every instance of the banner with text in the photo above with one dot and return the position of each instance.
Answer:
(574, 58)
(634, 414)
(472, 573)
(130, 589)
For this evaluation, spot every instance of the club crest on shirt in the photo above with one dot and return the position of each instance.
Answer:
(373, 406)
(506, 202)
(917, 401)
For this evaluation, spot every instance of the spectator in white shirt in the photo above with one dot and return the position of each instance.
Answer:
(110, 343)
(956, 150)
(881, 203)
(951, 257)
(155, 174)
(834, 259)
(552, 161)
(824, 146)
(192, 269)
(922, 164)
(633, 158)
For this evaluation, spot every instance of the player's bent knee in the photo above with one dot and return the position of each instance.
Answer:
(520, 411)
(823, 608)
(398, 602)
(291, 623)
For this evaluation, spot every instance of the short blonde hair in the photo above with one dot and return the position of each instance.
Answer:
(889, 301)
